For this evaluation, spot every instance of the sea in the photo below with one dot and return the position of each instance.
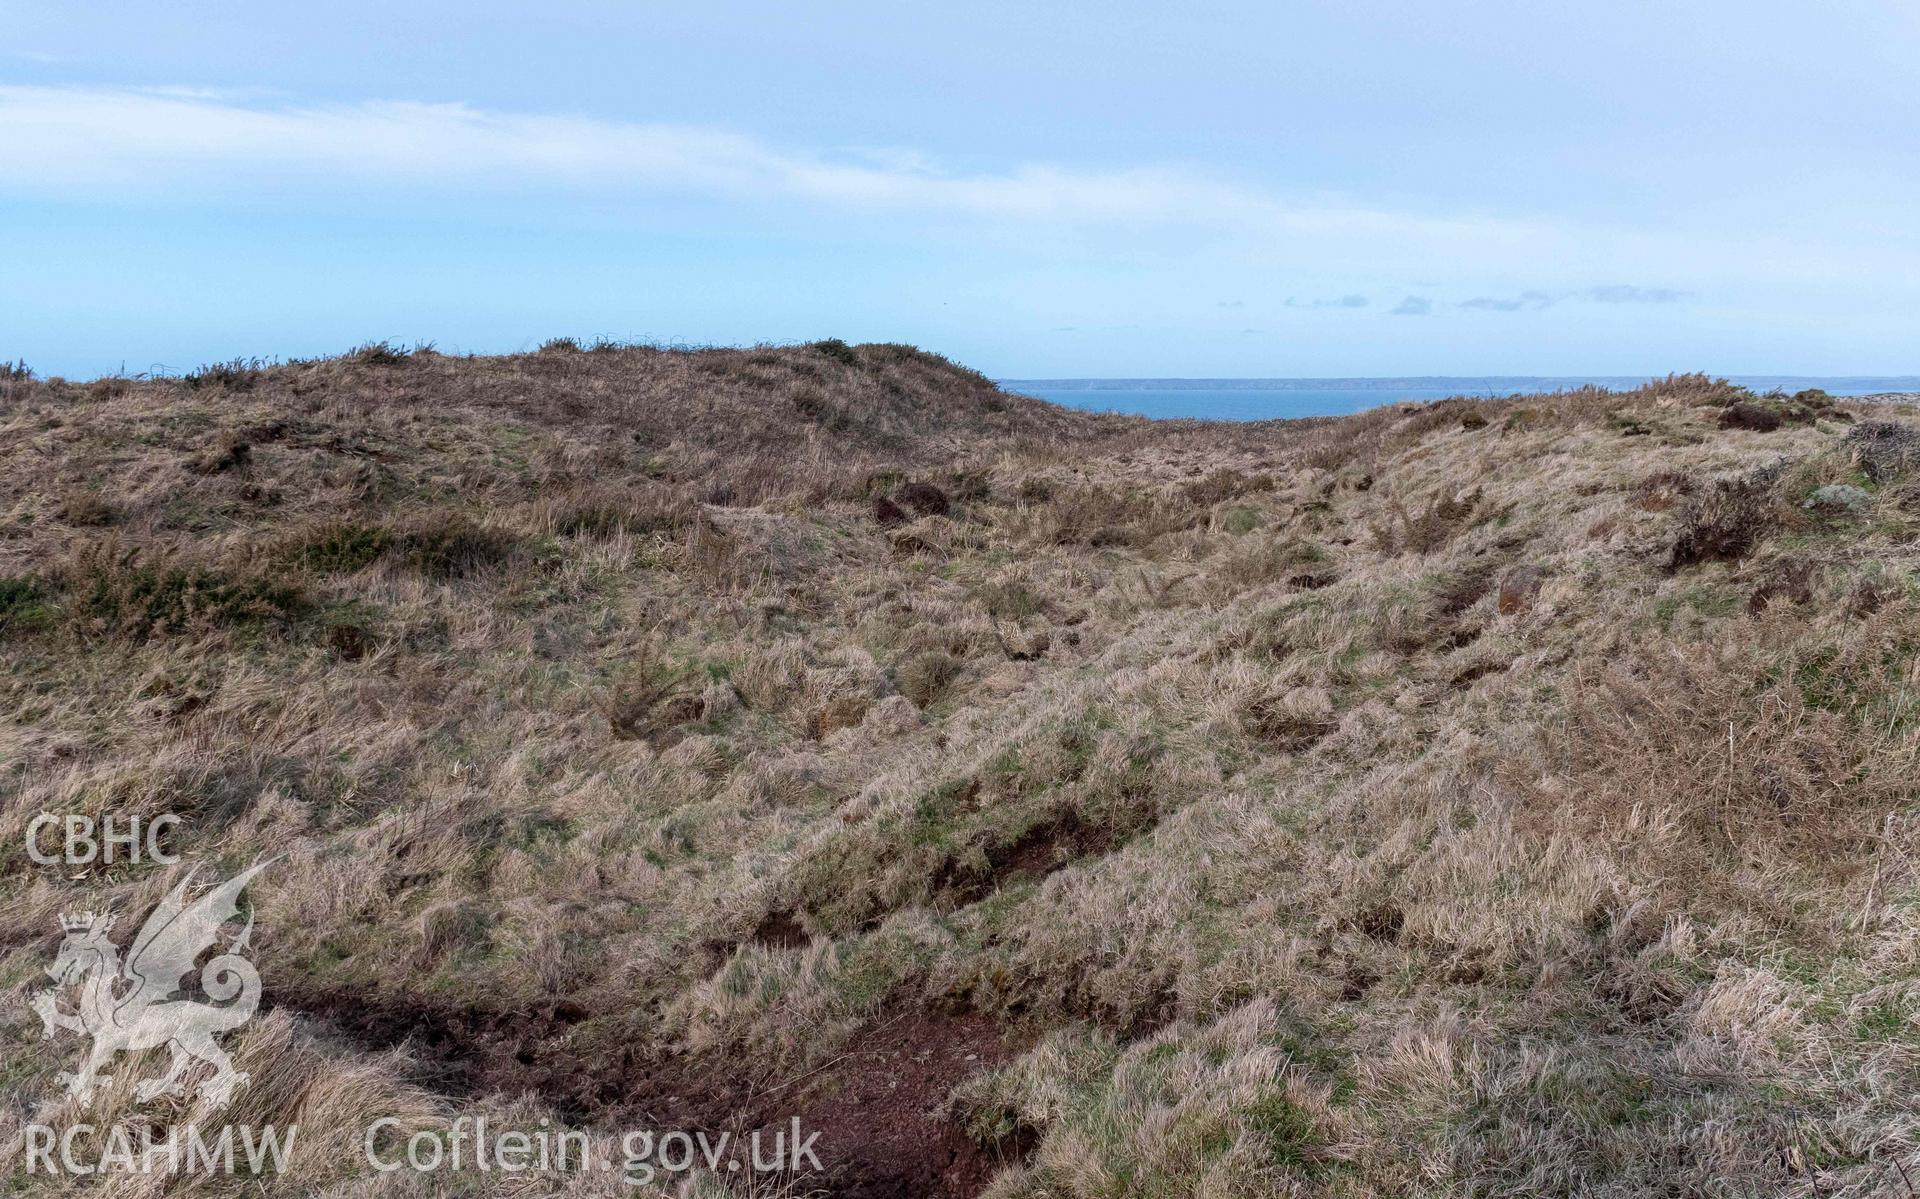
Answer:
(1278, 399)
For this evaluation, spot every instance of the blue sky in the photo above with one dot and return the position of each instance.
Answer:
(1036, 189)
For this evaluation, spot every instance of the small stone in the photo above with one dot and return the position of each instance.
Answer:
(1837, 497)
(1518, 588)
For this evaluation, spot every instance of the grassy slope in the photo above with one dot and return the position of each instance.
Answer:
(1498, 798)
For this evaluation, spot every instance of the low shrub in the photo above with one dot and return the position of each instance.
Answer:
(343, 548)
(379, 353)
(451, 545)
(23, 605)
(1239, 521)
(86, 509)
(838, 350)
(924, 678)
(1011, 600)
(651, 703)
(925, 499)
(237, 374)
(1755, 417)
(115, 593)
(1698, 389)
(1725, 524)
(1883, 449)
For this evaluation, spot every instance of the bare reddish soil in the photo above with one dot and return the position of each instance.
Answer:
(877, 1105)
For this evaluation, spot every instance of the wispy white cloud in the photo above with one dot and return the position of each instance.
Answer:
(176, 141)
(1350, 300)
(1412, 306)
(1525, 300)
(1612, 293)
(1625, 293)
(105, 145)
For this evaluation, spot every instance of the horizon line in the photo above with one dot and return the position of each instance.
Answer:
(1423, 382)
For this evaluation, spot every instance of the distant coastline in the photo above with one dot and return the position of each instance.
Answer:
(1292, 399)
(1466, 384)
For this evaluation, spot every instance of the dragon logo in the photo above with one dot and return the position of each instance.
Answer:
(142, 1004)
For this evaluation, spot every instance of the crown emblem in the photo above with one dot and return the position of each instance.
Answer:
(85, 922)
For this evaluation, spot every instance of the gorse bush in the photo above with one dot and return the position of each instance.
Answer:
(838, 350)
(238, 374)
(117, 593)
(23, 606)
(379, 353)
(343, 548)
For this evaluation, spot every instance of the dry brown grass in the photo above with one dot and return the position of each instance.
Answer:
(1495, 798)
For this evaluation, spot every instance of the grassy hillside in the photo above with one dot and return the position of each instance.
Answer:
(1498, 798)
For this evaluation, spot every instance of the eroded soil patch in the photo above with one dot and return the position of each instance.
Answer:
(1033, 856)
(876, 1104)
